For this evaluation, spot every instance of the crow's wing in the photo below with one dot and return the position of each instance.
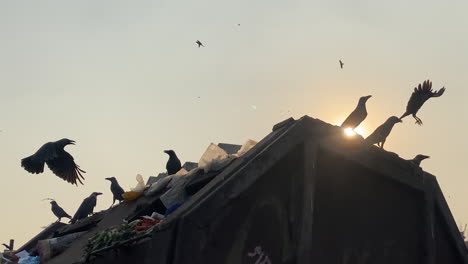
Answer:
(64, 167)
(35, 162)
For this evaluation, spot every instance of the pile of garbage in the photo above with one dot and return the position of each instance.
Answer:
(123, 234)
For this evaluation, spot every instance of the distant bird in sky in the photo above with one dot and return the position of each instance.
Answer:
(341, 64)
(58, 211)
(358, 115)
(173, 165)
(199, 43)
(417, 160)
(116, 190)
(381, 133)
(86, 208)
(238, 24)
(421, 94)
(60, 162)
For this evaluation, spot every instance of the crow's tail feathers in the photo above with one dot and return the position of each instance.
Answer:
(31, 165)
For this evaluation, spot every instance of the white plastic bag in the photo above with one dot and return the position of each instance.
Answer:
(211, 153)
(140, 187)
(249, 144)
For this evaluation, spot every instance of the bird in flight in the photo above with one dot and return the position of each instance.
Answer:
(381, 133)
(358, 115)
(60, 162)
(341, 64)
(199, 43)
(421, 94)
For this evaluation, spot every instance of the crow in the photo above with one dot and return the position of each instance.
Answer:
(358, 115)
(60, 162)
(116, 190)
(381, 133)
(58, 211)
(173, 165)
(417, 160)
(199, 43)
(421, 94)
(86, 208)
(341, 64)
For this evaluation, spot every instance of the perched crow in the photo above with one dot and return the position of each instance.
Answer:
(58, 211)
(341, 64)
(358, 115)
(59, 161)
(199, 43)
(116, 190)
(86, 208)
(381, 133)
(417, 160)
(173, 164)
(420, 95)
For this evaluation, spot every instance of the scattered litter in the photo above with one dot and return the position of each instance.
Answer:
(254, 107)
(140, 187)
(156, 215)
(49, 248)
(249, 144)
(30, 260)
(146, 223)
(137, 191)
(212, 152)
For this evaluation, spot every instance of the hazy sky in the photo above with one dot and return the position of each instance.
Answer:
(123, 78)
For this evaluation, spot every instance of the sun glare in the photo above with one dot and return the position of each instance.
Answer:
(359, 130)
(349, 132)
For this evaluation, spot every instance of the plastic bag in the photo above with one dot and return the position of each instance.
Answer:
(211, 153)
(246, 147)
(218, 164)
(129, 196)
(158, 186)
(140, 187)
(49, 248)
(30, 260)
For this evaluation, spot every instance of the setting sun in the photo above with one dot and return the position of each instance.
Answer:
(350, 132)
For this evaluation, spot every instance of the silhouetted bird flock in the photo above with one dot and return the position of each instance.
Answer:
(62, 164)
(420, 95)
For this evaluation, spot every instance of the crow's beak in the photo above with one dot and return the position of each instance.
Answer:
(369, 96)
(400, 121)
(98, 193)
(425, 157)
(72, 142)
(166, 151)
(108, 179)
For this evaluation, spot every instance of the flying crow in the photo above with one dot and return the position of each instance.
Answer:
(421, 94)
(341, 64)
(199, 43)
(60, 162)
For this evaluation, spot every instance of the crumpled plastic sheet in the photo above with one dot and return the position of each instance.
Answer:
(30, 260)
